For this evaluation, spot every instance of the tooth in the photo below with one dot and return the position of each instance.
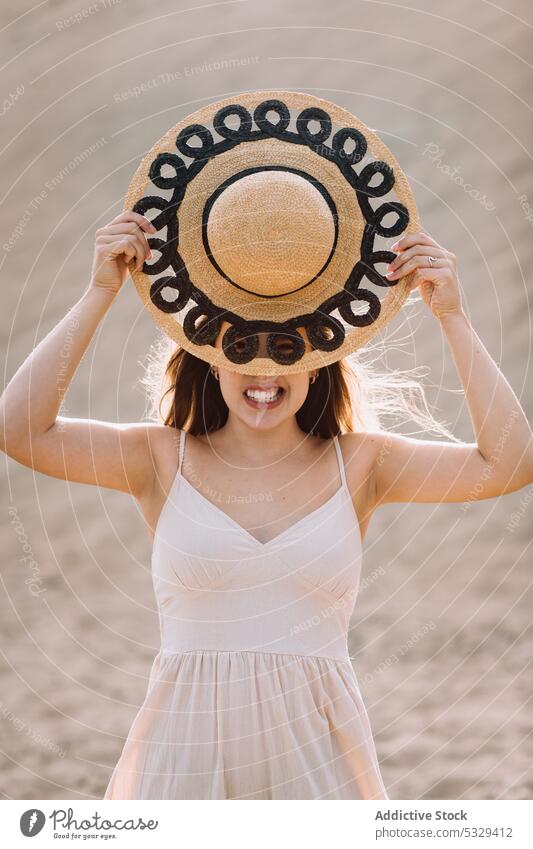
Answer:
(257, 395)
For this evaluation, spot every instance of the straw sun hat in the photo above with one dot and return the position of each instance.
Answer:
(271, 216)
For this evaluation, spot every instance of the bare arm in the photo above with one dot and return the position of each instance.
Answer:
(107, 454)
(501, 458)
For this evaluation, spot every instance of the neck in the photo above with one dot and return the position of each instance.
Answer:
(253, 443)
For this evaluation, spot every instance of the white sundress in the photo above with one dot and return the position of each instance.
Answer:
(252, 694)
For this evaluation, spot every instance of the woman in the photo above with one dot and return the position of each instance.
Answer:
(257, 524)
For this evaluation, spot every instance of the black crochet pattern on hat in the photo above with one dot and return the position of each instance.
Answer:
(202, 323)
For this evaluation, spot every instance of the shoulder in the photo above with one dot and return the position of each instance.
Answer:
(363, 448)
(361, 452)
(159, 435)
(163, 444)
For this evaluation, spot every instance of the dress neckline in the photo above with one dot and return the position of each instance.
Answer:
(179, 477)
(246, 532)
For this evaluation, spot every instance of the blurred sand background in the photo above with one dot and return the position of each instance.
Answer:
(441, 637)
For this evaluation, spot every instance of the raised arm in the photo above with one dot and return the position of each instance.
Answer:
(118, 456)
(501, 458)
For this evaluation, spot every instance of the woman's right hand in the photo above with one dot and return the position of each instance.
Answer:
(116, 244)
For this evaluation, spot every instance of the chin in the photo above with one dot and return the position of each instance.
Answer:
(262, 419)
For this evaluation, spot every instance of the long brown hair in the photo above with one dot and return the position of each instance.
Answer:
(348, 395)
(197, 405)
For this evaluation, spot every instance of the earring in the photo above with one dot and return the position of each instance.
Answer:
(214, 372)
(313, 377)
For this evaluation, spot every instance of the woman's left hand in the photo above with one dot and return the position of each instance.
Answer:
(438, 282)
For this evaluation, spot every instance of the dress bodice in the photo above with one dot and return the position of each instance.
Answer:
(220, 588)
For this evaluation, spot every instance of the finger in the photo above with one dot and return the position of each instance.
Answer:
(121, 251)
(129, 215)
(112, 240)
(142, 251)
(130, 244)
(126, 227)
(411, 239)
(422, 275)
(415, 262)
(408, 254)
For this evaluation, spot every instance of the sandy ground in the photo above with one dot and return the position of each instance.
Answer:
(441, 637)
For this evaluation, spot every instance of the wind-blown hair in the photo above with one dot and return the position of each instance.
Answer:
(349, 395)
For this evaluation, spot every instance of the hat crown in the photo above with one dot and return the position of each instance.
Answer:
(270, 232)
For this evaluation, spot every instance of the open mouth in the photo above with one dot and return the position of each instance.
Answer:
(264, 398)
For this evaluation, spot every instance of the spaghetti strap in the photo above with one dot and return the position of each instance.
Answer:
(183, 434)
(341, 462)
